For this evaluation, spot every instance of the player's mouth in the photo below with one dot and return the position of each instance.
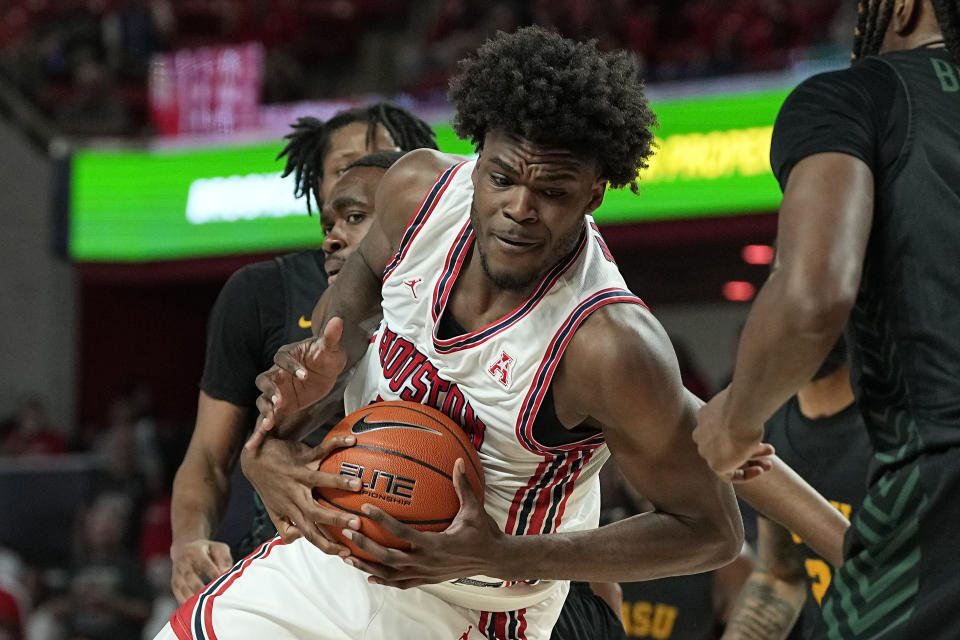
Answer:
(332, 267)
(514, 244)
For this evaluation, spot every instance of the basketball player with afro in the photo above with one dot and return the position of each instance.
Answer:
(521, 330)
(869, 161)
(262, 307)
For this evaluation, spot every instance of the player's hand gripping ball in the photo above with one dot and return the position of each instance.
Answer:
(404, 456)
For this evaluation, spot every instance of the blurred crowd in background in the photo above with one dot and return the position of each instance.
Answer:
(86, 63)
(106, 572)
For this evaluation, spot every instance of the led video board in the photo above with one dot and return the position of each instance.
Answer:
(711, 160)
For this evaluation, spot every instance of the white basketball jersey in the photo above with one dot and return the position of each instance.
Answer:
(492, 381)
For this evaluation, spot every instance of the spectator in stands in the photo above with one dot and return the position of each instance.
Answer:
(29, 432)
(94, 108)
(14, 601)
(109, 597)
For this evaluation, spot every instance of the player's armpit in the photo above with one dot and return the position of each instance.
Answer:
(620, 372)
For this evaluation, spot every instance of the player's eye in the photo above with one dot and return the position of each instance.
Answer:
(356, 217)
(499, 180)
(553, 193)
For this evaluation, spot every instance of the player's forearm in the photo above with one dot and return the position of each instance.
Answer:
(784, 341)
(766, 608)
(199, 499)
(644, 547)
(355, 297)
(784, 497)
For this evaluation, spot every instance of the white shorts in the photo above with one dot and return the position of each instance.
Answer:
(296, 591)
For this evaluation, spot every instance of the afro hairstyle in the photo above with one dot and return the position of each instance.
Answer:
(557, 92)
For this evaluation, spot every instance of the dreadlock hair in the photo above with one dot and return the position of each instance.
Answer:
(556, 92)
(948, 17)
(380, 159)
(873, 19)
(309, 142)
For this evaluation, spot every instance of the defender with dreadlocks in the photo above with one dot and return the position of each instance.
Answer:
(262, 307)
(869, 160)
(510, 263)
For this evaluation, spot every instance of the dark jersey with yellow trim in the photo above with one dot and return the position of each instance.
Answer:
(262, 307)
(832, 454)
(677, 608)
(900, 114)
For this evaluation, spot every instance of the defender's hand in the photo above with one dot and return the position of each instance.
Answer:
(732, 456)
(466, 548)
(195, 564)
(284, 473)
(303, 374)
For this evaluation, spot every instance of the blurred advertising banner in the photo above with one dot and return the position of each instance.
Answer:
(207, 90)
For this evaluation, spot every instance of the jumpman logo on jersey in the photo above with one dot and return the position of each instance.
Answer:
(466, 634)
(413, 286)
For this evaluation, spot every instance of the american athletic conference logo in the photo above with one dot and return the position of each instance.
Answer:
(502, 368)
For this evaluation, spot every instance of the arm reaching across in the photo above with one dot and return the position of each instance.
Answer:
(798, 315)
(786, 498)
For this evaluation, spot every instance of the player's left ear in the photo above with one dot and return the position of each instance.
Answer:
(905, 16)
(596, 195)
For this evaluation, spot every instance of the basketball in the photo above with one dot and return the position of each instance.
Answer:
(404, 456)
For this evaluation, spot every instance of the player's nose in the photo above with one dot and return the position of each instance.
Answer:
(334, 240)
(521, 207)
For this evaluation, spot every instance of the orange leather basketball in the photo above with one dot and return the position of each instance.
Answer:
(404, 455)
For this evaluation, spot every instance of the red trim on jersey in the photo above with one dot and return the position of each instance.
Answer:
(180, 628)
(416, 222)
(548, 366)
(465, 230)
(568, 491)
(475, 338)
(208, 612)
(518, 498)
(483, 623)
(501, 618)
(522, 629)
(545, 499)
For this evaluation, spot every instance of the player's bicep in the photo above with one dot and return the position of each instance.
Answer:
(824, 225)
(399, 197)
(647, 416)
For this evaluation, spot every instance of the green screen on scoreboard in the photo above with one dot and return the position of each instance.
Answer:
(711, 160)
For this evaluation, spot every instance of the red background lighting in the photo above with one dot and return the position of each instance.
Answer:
(757, 254)
(738, 291)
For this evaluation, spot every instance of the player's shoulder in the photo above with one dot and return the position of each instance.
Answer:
(257, 280)
(306, 262)
(851, 85)
(405, 185)
(418, 169)
(622, 336)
